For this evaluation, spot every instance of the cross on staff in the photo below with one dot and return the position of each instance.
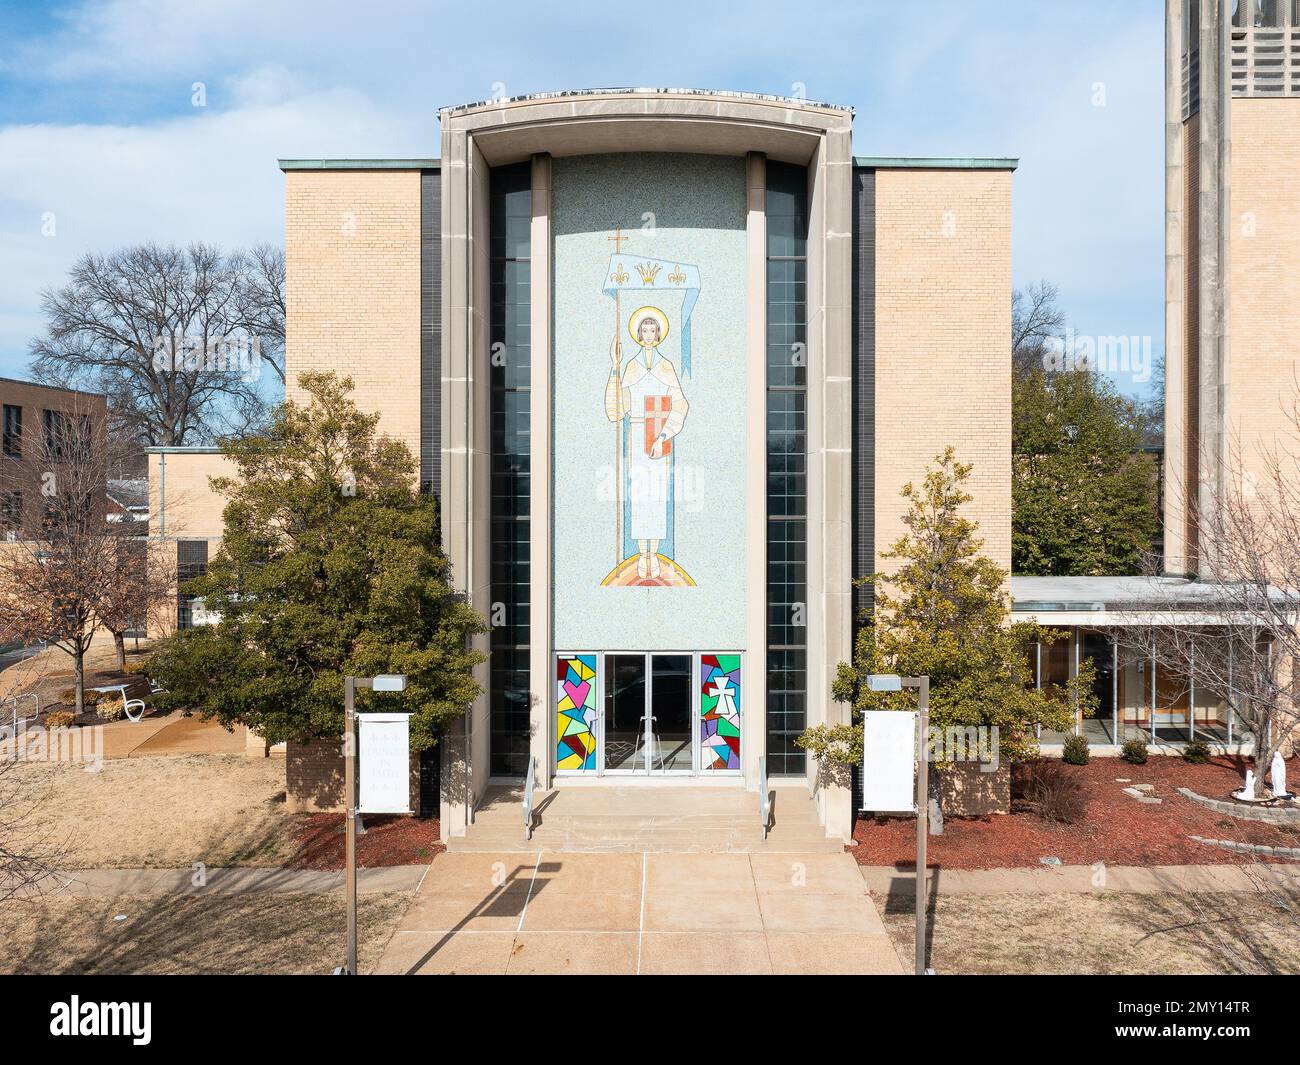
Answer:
(619, 239)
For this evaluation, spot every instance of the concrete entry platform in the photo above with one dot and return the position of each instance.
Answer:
(647, 818)
(551, 913)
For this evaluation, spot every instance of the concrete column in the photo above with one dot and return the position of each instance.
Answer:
(830, 434)
(465, 446)
(1175, 458)
(1214, 221)
(754, 677)
(540, 652)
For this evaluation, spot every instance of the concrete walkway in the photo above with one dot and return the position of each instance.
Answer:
(232, 881)
(1080, 879)
(627, 913)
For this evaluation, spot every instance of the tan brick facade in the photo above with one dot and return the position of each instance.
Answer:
(1264, 277)
(943, 341)
(352, 259)
(182, 503)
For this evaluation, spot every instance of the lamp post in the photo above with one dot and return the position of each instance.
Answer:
(888, 682)
(388, 682)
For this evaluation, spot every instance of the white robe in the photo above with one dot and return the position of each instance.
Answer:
(649, 375)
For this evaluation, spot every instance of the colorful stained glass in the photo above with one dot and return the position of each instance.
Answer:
(720, 711)
(575, 712)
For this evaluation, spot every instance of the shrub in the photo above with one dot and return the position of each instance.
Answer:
(1075, 750)
(111, 710)
(60, 719)
(1197, 752)
(1056, 795)
(1134, 752)
(68, 697)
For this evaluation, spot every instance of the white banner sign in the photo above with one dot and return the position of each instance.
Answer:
(889, 761)
(384, 763)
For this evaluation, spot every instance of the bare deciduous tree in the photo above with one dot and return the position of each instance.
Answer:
(173, 336)
(62, 562)
(1236, 630)
(1036, 320)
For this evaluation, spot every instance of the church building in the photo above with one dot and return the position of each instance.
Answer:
(667, 359)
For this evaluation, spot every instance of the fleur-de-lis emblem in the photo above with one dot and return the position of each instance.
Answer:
(648, 272)
(620, 276)
(677, 277)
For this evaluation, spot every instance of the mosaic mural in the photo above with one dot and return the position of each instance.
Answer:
(644, 397)
(719, 711)
(575, 712)
(649, 432)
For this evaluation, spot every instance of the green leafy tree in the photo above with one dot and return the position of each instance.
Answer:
(330, 565)
(942, 612)
(1084, 494)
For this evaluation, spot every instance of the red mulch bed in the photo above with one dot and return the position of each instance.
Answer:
(1116, 828)
(386, 841)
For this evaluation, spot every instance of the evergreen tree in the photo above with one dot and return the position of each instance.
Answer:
(942, 612)
(330, 566)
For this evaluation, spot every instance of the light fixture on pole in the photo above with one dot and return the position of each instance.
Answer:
(387, 682)
(889, 682)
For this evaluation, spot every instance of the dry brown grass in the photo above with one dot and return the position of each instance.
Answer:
(184, 934)
(165, 812)
(1104, 933)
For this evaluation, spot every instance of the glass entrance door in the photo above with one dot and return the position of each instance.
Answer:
(647, 713)
(670, 734)
(625, 712)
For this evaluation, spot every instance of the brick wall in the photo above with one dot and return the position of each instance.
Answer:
(23, 474)
(186, 507)
(352, 256)
(1264, 275)
(943, 341)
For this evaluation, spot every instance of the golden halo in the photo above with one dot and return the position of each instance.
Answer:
(634, 322)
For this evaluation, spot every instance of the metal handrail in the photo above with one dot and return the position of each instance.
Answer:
(764, 796)
(530, 782)
(14, 700)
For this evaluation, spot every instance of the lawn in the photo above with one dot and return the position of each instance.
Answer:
(1105, 933)
(163, 812)
(185, 934)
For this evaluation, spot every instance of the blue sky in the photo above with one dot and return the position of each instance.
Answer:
(98, 129)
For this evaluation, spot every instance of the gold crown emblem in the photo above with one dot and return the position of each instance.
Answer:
(648, 273)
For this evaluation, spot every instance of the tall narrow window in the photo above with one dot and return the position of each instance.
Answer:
(191, 562)
(787, 465)
(13, 431)
(510, 362)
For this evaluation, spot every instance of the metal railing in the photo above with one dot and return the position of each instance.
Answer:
(764, 796)
(530, 783)
(14, 700)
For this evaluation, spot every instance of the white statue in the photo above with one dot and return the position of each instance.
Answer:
(1248, 792)
(1277, 770)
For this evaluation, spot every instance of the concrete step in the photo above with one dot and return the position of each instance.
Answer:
(772, 846)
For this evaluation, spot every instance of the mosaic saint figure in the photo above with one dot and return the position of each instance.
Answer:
(646, 396)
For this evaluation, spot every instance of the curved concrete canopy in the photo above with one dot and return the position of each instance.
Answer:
(656, 120)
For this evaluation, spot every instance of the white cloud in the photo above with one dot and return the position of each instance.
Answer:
(211, 176)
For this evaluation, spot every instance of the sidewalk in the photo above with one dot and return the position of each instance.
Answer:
(641, 913)
(1081, 879)
(231, 881)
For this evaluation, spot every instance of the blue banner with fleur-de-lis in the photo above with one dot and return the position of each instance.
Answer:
(636, 273)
